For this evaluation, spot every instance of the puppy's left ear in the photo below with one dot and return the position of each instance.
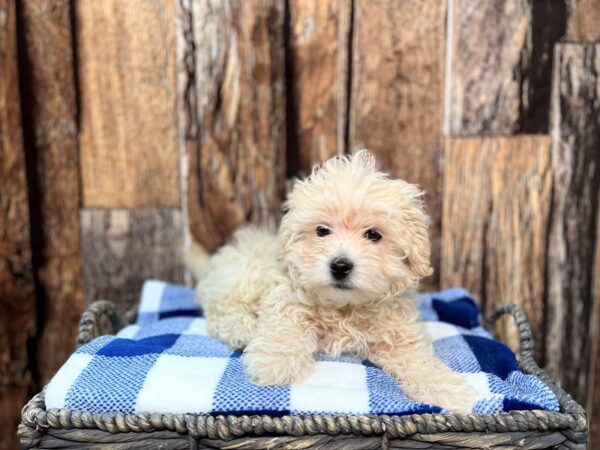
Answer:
(419, 251)
(417, 221)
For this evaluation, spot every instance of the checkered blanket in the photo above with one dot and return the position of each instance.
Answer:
(166, 363)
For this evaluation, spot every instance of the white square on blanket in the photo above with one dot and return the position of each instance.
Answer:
(63, 380)
(151, 296)
(440, 330)
(196, 327)
(334, 387)
(129, 331)
(478, 380)
(181, 384)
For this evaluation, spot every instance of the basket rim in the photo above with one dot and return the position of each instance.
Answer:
(571, 420)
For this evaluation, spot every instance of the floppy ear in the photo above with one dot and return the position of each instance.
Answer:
(419, 251)
(417, 221)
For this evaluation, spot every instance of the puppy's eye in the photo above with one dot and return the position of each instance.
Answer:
(372, 235)
(323, 231)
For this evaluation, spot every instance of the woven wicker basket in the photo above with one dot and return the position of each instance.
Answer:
(62, 428)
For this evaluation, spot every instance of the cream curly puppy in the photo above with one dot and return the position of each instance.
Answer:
(336, 280)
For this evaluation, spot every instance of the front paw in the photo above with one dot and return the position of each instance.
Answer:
(276, 368)
(459, 398)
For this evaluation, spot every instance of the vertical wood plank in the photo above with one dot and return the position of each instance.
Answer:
(17, 300)
(318, 75)
(51, 121)
(573, 230)
(497, 196)
(122, 248)
(486, 69)
(584, 20)
(398, 95)
(232, 101)
(500, 74)
(593, 393)
(127, 80)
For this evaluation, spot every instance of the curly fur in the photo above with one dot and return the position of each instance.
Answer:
(275, 295)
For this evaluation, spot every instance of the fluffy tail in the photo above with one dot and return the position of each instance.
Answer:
(196, 259)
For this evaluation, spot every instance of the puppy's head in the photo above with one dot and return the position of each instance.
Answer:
(353, 235)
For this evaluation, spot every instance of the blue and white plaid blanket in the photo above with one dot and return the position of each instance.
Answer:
(165, 363)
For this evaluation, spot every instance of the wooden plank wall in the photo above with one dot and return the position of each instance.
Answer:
(17, 301)
(574, 226)
(127, 129)
(50, 125)
(494, 239)
(397, 96)
(232, 93)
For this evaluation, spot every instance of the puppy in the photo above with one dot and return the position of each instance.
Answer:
(336, 280)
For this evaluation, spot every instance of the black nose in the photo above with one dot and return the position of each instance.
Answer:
(340, 268)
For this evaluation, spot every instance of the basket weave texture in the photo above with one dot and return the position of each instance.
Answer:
(63, 428)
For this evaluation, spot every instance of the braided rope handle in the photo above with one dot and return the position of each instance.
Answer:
(99, 318)
(527, 361)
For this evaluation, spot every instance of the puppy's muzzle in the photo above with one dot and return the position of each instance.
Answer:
(340, 268)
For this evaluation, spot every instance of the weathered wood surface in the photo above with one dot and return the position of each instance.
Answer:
(497, 196)
(122, 248)
(232, 95)
(398, 95)
(317, 96)
(485, 65)
(573, 228)
(51, 127)
(127, 81)
(500, 58)
(17, 297)
(584, 21)
(593, 392)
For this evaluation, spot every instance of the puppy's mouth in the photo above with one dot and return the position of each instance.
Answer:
(342, 286)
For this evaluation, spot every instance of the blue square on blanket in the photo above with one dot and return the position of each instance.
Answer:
(96, 345)
(177, 298)
(110, 384)
(173, 325)
(456, 354)
(200, 346)
(128, 347)
(236, 394)
(493, 356)
(386, 397)
(461, 311)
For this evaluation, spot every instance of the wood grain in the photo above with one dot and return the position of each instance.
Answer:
(17, 300)
(593, 393)
(500, 64)
(51, 120)
(486, 69)
(584, 21)
(317, 78)
(232, 95)
(573, 229)
(497, 197)
(127, 80)
(122, 248)
(398, 94)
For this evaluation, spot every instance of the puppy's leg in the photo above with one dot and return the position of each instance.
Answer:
(233, 283)
(282, 350)
(235, 329)
(422, 376)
